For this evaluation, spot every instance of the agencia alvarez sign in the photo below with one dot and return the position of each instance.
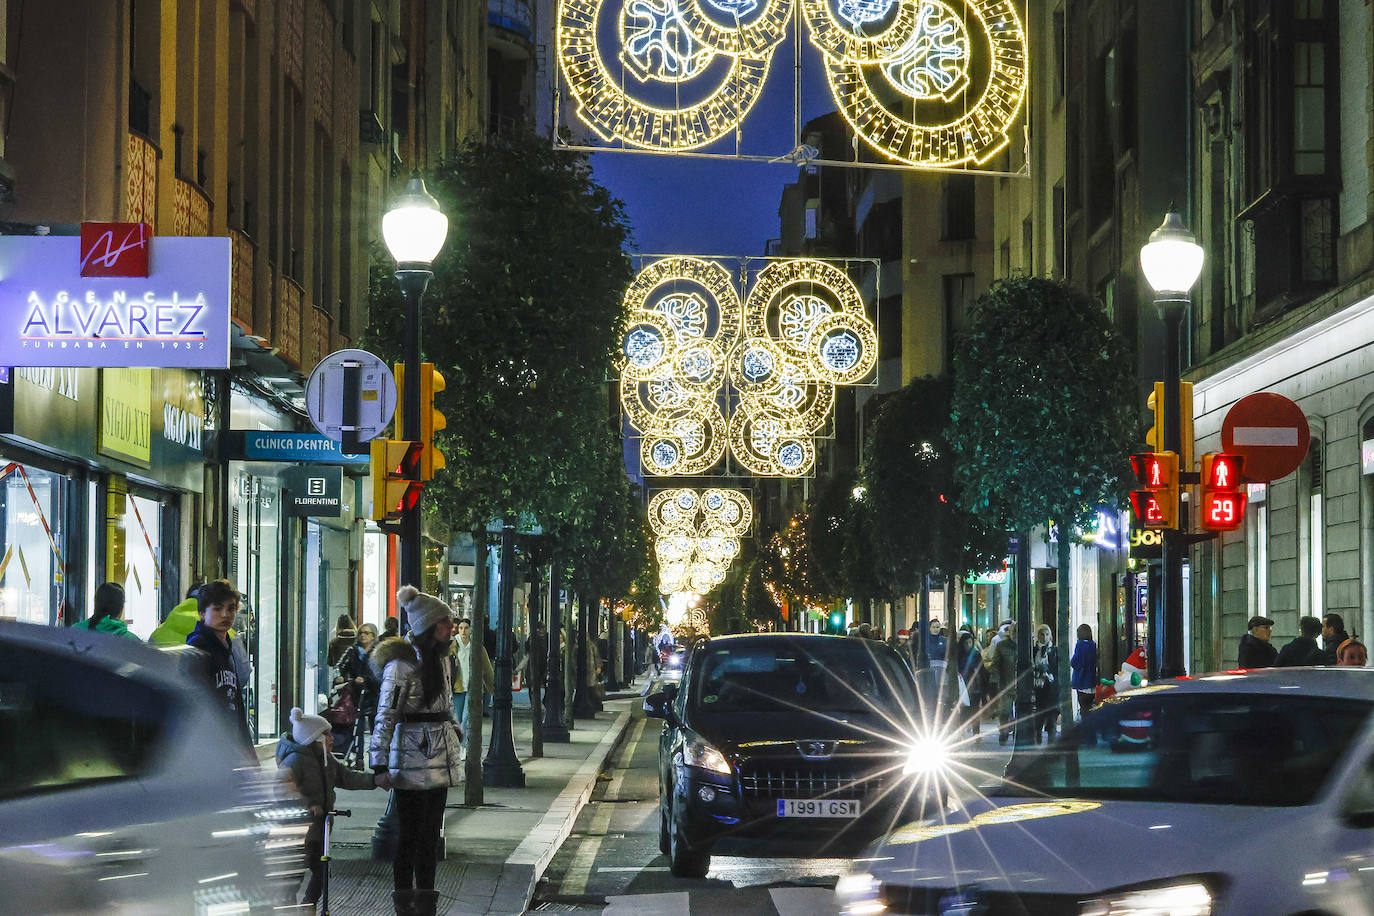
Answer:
(69, 301)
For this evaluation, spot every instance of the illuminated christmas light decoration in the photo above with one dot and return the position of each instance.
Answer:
(926, 83)
(697, 535)
(802, 330)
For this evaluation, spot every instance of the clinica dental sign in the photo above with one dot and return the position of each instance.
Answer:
(176, 316)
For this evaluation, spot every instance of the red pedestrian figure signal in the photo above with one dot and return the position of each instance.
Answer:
(1223, 497)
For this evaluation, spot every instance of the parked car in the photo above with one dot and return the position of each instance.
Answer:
(123, 790)
(1231, 794)
(802, 739)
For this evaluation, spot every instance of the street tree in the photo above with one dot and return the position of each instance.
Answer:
(1042, 424)
(912, 497)
(841, 541)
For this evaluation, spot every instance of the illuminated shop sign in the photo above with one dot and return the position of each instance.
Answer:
(176, 316)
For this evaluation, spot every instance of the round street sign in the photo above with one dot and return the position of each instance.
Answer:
(351, 391)
(1270, 432)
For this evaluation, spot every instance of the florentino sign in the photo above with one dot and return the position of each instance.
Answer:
(59, 310)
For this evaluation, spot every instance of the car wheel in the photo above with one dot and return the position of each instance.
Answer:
(683, 860)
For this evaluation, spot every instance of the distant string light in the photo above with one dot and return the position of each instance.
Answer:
(928, 83)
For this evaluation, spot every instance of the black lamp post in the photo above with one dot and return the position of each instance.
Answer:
(501, 768)
(1171, 262)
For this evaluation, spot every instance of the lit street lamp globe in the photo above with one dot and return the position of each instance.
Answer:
(414, 227)
(1172, 259)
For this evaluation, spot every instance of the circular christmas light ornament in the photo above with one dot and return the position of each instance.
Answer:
(859, 30)
(844, 350)
(900, 100)
(753, 27)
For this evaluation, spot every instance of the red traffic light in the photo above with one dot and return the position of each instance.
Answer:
(1222, 511)
(1149, 509)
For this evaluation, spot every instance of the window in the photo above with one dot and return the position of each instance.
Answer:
(32, 503)
(1316, 557)
(1060, 242)
(1309, 108)
(958, 297)
(1059, 53)
(81, 725)
(959, 218)
(1028, 245)
(1257, 546)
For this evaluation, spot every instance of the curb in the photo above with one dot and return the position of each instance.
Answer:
(537, 850)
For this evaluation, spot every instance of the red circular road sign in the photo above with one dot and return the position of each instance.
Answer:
(1270, 431)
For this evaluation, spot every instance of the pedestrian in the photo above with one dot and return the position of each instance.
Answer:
(1255, 650)
(968, 665)
(1333, 636)
(391, 627)
(1084, 665)
(416, 746)
(306, 751)
(108, 616)
(937, 645)
(1303, 650)
(1044, 661)
(1352, 654)
(345, 635)
(1004, 665)
(217, 604)
(461, 660)
(355, 667)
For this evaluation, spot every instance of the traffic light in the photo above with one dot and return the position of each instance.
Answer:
(1155, 435)
(1157, 505)
(836, 622)
(1223, 492)
(431, 421)
(395, 464)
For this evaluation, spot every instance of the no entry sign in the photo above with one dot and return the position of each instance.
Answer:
(1270, 432)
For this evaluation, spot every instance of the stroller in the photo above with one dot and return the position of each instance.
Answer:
(351, 726)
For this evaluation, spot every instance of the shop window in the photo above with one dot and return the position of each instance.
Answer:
(1257, 548)
(142, 564)
(1316, 557)
(81, 725)
(32, 577)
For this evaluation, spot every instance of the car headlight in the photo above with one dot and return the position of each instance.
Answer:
(697, 753)
(1191, 898)
(857, 895)
(926, 756)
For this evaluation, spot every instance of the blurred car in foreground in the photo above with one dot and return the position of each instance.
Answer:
(1234, 794)
(122, 789)
(798, 739)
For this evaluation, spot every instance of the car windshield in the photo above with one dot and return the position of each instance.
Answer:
(830, 675)
(1221, 748)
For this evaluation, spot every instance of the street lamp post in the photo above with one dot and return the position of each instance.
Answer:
(414, 229)
(501, 768)
(1171, 262)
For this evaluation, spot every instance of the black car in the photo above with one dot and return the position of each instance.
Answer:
(786, 736)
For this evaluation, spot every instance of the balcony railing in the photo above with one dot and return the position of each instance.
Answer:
(286, 320)
(244, 254)
(190, 209)
(512, 15)
(140, 185)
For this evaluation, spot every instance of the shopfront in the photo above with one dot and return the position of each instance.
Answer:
(100, 472)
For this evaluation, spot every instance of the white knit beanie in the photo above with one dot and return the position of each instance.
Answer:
(307, 729)
(422, 611)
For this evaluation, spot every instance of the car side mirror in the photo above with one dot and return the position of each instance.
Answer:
(659, 705)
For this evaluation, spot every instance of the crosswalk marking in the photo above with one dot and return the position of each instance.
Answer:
(803, 901)
(678, 903)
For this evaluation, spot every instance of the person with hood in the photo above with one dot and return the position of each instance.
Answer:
(1084, 666)
(1004, 668)
(217, 603)
(1044, 662)
(1255, 650)
(307, 752)
(1303, 651)
(416, 747)
(108, 616)
(345, 635)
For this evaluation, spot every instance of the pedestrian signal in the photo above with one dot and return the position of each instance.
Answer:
(1156, 506)
(1223, 492)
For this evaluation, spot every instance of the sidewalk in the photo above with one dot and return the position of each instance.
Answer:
(494, 855)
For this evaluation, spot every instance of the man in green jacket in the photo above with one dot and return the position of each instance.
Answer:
(109, 612)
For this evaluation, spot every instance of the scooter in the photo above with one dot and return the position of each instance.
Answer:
(324, 857)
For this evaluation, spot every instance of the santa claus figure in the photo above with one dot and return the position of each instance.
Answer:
(1132, 673)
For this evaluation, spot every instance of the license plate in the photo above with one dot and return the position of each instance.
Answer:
(817, 807)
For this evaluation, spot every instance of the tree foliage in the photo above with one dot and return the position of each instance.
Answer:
(841, 541)
(911, 495)
(523, 318)
(1042, 423)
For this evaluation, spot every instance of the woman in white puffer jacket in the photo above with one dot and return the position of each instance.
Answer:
(416, 743)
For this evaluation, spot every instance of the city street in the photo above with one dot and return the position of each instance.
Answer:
(611, 863)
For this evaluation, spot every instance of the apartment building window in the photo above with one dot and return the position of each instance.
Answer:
(958, 221)
(1316, 555)
(144, 34)
(1309, 108)
(1257, 548)
(958, 299)
(1028, 245)
(1060, 230)
(1059, 58)
(346, 235)
(1005, 260)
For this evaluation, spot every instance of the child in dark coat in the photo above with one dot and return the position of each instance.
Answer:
(316, 773)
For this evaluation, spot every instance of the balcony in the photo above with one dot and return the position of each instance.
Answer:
(140, 187)
(286, 320)
(241, 296)
(513, 16)
(190, 209)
